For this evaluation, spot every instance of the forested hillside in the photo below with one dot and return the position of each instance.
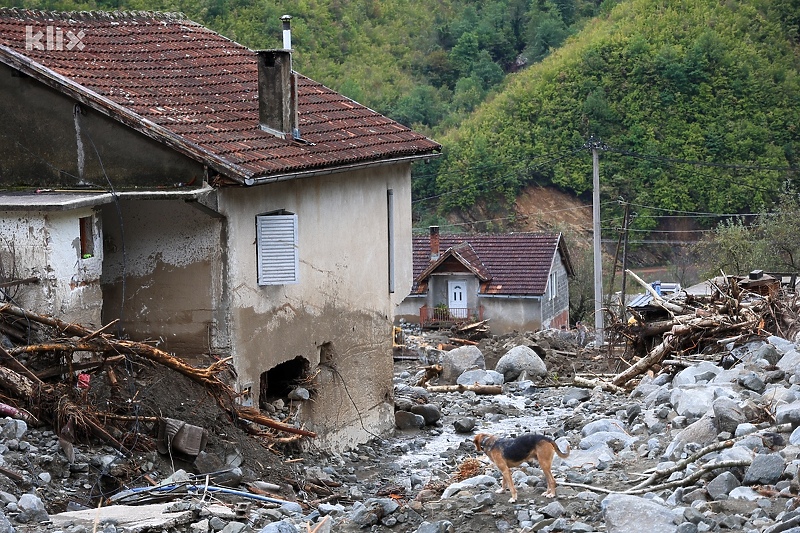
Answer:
(426, 63)
(696, 104)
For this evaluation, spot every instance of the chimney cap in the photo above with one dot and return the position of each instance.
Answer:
(286, 18)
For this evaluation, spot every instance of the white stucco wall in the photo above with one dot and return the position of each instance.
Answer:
(46, 244)
(342, 300)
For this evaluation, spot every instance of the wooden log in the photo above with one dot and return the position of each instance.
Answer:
(654, 356)
(476, 388)
(15, 365)
(20, 386)
(592, 383)
(255, 416)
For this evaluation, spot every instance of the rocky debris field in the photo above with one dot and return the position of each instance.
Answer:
(694, 447)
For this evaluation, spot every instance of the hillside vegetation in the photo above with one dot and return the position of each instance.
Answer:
(425, 63)
(693, 103)
(696, 104)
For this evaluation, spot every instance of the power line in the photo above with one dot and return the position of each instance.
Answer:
(699, 163)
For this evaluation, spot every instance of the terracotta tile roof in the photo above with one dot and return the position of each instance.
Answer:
(516, 264)
(196, 90)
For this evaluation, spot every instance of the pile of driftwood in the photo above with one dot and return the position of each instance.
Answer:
(50, 388)
(691, 328)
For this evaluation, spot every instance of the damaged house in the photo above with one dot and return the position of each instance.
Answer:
(516, 281)
(209, 199)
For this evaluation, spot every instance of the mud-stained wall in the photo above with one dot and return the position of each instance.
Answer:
(165, 255)
(512, 314)
(46, 245)
(341, 305)
(47, 142)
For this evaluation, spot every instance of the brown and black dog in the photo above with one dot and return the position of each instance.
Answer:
(509, 453)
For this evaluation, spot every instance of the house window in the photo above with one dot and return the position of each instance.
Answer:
(552, 286)
(87, 237)
(276, 248)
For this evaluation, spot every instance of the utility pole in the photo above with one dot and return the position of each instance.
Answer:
(598, 258)
(625, 256)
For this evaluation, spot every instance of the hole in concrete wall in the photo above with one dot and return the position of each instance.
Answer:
(327, 354)
(278, 381)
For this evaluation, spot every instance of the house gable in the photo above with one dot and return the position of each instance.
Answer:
(459, 258)
(514, 264)
(53, 142)
(195, 91)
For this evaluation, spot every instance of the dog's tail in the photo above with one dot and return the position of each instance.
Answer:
(561, 454)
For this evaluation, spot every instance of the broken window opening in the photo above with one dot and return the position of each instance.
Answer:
(87, 237)
(281, 379)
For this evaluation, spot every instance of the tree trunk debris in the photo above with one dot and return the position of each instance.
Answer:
(660, 336)
(53, 395)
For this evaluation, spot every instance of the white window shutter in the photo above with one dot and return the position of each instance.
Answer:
(276, 246)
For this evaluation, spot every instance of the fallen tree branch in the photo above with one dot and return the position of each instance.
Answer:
(697, 474)
(721, 445)
(592, 383)
(476, 388)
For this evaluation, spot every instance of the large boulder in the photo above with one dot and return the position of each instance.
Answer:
(633, 514)
(518, 360)
(457, 361)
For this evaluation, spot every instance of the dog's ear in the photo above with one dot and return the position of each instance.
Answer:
(477, 440)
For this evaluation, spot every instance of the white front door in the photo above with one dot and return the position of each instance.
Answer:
(457, 298)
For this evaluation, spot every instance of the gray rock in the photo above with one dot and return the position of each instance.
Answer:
(429, 412)
(768, 352)
(752, 381)
(728, 414)
(299, 394)
(518, 360)
(689, 375)
(459, 360)
(13, 429)
(631, 514)
(575, 395)
(408, 420)
(481, 377)
(235, 527)
(788, 414)
(606, 437)
(31, 509)
(553, 509)
(719, 487)
(766, 469)
(692, 401)
(605, 425)
(703, 432)
(441, 526)
(464, 425)
(790, 361)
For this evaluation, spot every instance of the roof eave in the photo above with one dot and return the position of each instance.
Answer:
(284, 176)
(120, 113)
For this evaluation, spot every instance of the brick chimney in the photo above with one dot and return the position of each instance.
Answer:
(277, 89)
(434, 242)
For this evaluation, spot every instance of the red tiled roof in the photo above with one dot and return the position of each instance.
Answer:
(196, 90)
(516, 264)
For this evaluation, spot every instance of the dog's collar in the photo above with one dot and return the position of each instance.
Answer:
(483, 442)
